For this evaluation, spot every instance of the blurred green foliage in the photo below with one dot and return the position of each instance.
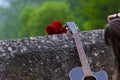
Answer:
(27, 18)
(35, 21)
(97, 11)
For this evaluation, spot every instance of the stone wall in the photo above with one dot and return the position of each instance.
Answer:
(52, 57)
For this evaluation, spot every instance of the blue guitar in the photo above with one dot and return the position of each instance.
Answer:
(84, 72)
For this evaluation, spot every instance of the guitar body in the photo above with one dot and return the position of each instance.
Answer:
(78, 74)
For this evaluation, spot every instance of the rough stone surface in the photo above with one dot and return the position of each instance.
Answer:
(52, 57)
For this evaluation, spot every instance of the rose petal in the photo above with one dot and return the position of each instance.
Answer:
(56, 24)
(64, 30)
(49, 30)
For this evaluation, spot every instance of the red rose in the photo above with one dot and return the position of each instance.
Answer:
(56, 28)
(56, 24)
(49, 30)
(64, 30)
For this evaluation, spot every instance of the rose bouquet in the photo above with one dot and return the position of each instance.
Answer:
(56, 28)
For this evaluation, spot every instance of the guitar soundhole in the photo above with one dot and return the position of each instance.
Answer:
(89, 78)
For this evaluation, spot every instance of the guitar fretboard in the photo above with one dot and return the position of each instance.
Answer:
(85, 65)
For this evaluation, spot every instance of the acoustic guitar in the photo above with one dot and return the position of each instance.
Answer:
(84, 72)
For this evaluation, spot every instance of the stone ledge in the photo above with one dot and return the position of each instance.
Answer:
(52, 57)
